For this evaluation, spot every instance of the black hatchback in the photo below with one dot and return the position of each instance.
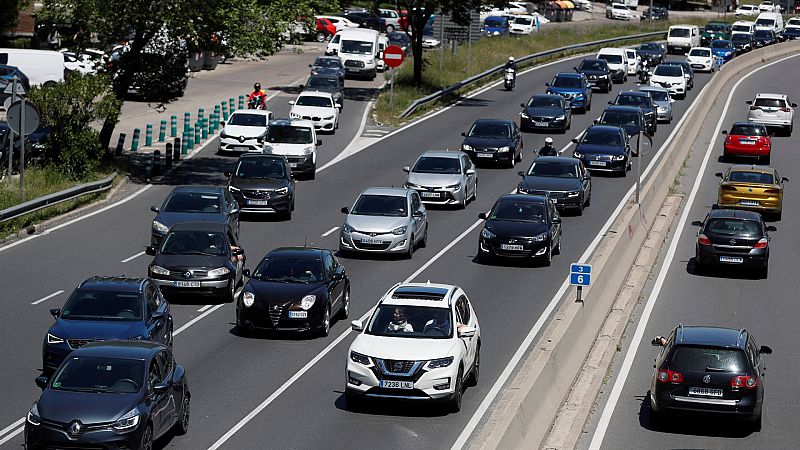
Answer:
(546, 111)
(194, 204)
(733, 238)
(643, 101)
(263, 184)
(597, 72)
(493, 140)
(709, 370)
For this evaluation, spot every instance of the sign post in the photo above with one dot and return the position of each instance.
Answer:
(23, 119)
(393, 56)
(580, 275)
(15, 89)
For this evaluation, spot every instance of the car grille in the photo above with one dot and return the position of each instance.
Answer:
(258, 194)
(312, 118)
(398, 367)
(75, 446)
(78, 343)
(381, 246)
(542, 119)
(745, 249)
(275, 312)
(354, 63)
(490, 150)
(194, 272)
(548, 193)
(296, 160)
(665, 84)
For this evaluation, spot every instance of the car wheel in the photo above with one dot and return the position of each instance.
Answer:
(182, 425)
(410, 252)
(756, 423)
(231, 291)
(580, 209)
(519, 156)
(588, 199)
(170, 337)
(557, 251)
(320, 36)
(424, 242)
(344, 313)
(548, 256)
(476, 367)
(287, 215)
(325, 328)
(475, 192)
(147, 438)
(588, 105)
(455, 401)
(789, 130)
(354, 401)
(764, 272)
(313, 174)
(766, 159)
(777, 216)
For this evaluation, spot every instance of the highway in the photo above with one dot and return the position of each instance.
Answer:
(765, 307)
(290, 387)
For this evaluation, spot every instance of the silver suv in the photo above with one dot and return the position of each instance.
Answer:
(385, 220)
(443, 178)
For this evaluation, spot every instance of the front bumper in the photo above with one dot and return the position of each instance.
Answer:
(440, 195)
(252, 201)
(673, 88)
(209, 287)
(320, 123)
(547, 123)
(618, 75)
(603, 163)
(50, 435)
(663, 115)
(301, 164)
(231, 144)
(596, 82)
(382, 242)
(705, 66)
(276, 317)
(562, 199)
(435, 384)
(525, 248)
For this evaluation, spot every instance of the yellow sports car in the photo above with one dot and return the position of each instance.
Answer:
(755, 188)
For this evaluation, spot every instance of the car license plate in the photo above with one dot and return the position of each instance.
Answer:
(484, 155)
(749, 203)
(431, 194)
(511, 247)
(747, 141)
(298, 314)
(707, 392)
(371, 241)
(186, 284)
(541, 124)
(258, 202)
(731, 259)
(697, 66)
(597, 163)
(390, 384)
(292, 165)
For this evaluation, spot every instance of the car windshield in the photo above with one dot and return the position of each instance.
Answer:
(748, 130)
(764, 34)
(314, 100)
(734, 227)
(791, 30)
(650, 47)
(287, 134)
(765, 22)
(518, 211)
(619, 7)
(289, 269)
(494, 23)
(770, 102)
(567, 82)
(523, 21)
(740, 37)
(248, 120)
(751, 177)
(327, 62)
(497, 130)
(411, 322)
(632, 100)
(714, 27)
(322, 82)
(592, 65)
(700, 52)
(193, 202)
(100, 375)
(555, 169)
(544, 102)
(594, 136)
(679, 32)
(620, 118)
(613, 59)
(89, 304)
(431, 164)
(194, 243)
(721, 44)
(380, 205)
(668, 71)
(356, 47)
(260, 168)
(659, 96)
(706, 359)
(744, 28)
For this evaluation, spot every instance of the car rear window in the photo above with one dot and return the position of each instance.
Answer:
(707, 359)
(748, 130)
(770, 102)
(751, 177)
(734, 227)
(700, 52)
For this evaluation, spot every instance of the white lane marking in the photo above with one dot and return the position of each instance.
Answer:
(131, 258)
(329, 231)
(204, 308)
(524, 346)
(44, 299)
(8, 428)
(196, 319)
(630, 355)
(13, 434)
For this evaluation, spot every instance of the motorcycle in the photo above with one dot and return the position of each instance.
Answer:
(644, 73)
(258, 102)
(509, 79)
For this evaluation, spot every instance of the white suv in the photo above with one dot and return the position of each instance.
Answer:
(319, 108)
(772, 110)
(422, 342)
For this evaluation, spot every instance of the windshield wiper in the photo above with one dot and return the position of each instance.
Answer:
(200, 253)
(716, 369)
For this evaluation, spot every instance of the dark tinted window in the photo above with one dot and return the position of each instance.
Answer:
(668, 71)
(518, 211)
(412, 322)
(567, 82)
(613, 59)
(327, 62)
(193, 202)
(430, 164)
(765, 23)
(601, 137)
(260, 168)
(740, 37)
(651, 46)
(314, 100)
(751, 177)
(632, 100)
(770, 102)
(748, 130)
(592, 65)
(494, 23)
(553, 169)
(322, 82)
(3, 58)
(679, 32)
(715, 27)
(701, 359)
(294, 269)
(248, 120)
(380, 205)
(356, 47)
(88, 304)
(721, 44)
(194, 243)
(762, 34)
(490, 130)
(93, 374)
(659, 96)
(544, 102)
(734, 227)
(700, 52)
(620, 118)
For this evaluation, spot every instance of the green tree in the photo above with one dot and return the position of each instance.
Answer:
(9, 13)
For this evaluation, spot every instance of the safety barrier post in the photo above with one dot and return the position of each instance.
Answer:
(168, 156)
(135, 143)
(173, 126)
(241, 102)
(162, 131)
(176, 150)
(148, 135)
(120, 143)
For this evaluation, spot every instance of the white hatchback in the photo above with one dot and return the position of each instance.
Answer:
(244, 131)
(422, 342)
(670, 77)
(634, 61)
(772, 110)
(701, 59)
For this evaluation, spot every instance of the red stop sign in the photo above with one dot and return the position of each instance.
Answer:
(393, 56)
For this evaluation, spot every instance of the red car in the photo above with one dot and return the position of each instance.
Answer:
(325, 30)
(748, 139)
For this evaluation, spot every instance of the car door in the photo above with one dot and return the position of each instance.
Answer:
(231, 210)
(471, 179)
(170, 412)
(555, 223)
(515, 134)
(233, 241)
(156, 329)
(464, 317)
(586, 179)
(335, 287)
(158, 403)
(420, 221)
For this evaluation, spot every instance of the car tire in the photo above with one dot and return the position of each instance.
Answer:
(182, 424)
(344, 312)
(579, 211)
(389, 28)
(147, 438)
(313, 174)
(755, 425)
(765, 159)
(548, 257)
(424, 242)
(287, 215)
(777, 216)
(455, 401)
(354, 401)
(764, 272)
(410, 251)
(789, 130)
(475, 373)
(557, 250)
(320, 36)
(325, 328)
(475, 192)
(230, 297)
(519, 156)
(588, 200)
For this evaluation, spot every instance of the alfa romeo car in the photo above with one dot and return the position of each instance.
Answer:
(733, 238)
(752, 188)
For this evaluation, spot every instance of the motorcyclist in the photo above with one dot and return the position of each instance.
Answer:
(512, 64)
(548, 149)
(644, 76)
(259, 94)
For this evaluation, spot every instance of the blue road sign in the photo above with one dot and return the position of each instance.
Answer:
(580, 268)
(580, 274)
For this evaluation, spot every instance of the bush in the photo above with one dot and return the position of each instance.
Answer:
(159, 72)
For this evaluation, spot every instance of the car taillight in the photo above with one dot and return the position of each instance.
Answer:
(703, 240)
(728, 188)
(669, 376)
(785, 109)
(762, 243)
(753, 108)
(744, 381)
(728, 139)
(771, 191)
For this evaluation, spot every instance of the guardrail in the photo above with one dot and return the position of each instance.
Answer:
(429, 98)
(56, 198)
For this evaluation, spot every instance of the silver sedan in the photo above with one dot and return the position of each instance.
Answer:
(662, 100)
(443, 178)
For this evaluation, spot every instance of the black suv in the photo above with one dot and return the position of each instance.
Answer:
(597, 72)
(709, 370)
(263, 184)
(732, 237)
(643, 100)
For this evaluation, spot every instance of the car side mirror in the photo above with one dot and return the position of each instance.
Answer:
(482, 216)
(337, 276)
(547, 84)
(771, 228)
(764, 350)
(155, 209)
(463, 134)
(794, 105)
(471, 172)
(725, 132)
(42, 381)
(749, 102)
(521, 173)
(157, 315)
(557, 219)
(657, 341)
(161, 388)
(357, 325)
(150, 250)
(345, 210)
(465, 332)
(237, 252)
(718, 174)
(291, 102)
(784, 179)
(417, 214)
(246, 273)
(406, 169)
(319, 142)
(574, 140)
(697, 223)
(522, 105)
(596, 121)
(227, 174)
(55, 312)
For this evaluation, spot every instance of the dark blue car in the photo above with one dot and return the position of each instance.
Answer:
(604, 148)
(7, 75)
(194, 204)
(496, 26)
(723, 49)
(104, 308)
(574, 87)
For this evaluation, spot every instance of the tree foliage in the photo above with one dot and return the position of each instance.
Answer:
(9, 12)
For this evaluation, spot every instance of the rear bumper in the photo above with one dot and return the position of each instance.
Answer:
(708, 256)
(746, 408)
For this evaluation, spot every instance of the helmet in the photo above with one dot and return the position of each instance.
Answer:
(548, 140)
(511, 58)
(257, 87)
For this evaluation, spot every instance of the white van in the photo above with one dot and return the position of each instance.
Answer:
(42, 67)
(770, 21)
(681, 38)
(383, 42)
(295, 139)
(743, 26)
(359, 51)
(617, 60)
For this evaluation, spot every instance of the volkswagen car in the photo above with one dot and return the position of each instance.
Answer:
(493, 140)
(546, 111)
(443, 178)
(110, 395)
(107, 308)
(733, 238)
(191, 204)
(244, 131)
(294, 288)
(747, 139)
(565, 180)
(263, 184)
(421, 342)
(752, 188)
(573, 87)
(385, 220)
(772, 110)
(604, 148)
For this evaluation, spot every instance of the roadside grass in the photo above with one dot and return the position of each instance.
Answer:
(491, 52)
(41, 181)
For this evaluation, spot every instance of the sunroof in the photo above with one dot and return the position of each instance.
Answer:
(420, 292)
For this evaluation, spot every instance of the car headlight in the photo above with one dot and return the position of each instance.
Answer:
(294, 115)
(524, 116)
(466, 147)
(561, 117)
(400, 230)
(540, 237)
(33, 416)
(577, 154)
(602, 77)
(521, 189)
(158, 270)
(308, 301)
(454, 187)
(248, 298)
(308, 150)
(218, 272)
(573, 194)
(283, 190)
(233, 189)
(662, 109)
(160, 227)
(128, 421)
(503, 149)
(440, 363)
(359, 358)
(486, 234)
(617, 157)
(53, 339)
(328, 117)
(411, 185)
(347, 228)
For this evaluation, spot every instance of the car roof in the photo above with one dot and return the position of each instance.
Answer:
(334, 57)
(198, 189)
(113, 283)
(315, 94)
(257, 112)
(752, 168)
(503, 121)
(767, 95)
(700, 48)
(554, 96)
(428, 294)
(540, 199)
(596, 60)
(200, 226)
(262, 156)
(569, 75)
(119, 349)
(749, 124)
(562, 159)
(398, 192)
(291, 123)
(634, 93)
(734, 214)
(296, 251)
(620, 108)
(711, 336)
(654, 89)
(605, 128)
(442, 154)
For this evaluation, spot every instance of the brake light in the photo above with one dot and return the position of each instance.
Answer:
(728, 188)
(785, 109)
(744, 381)
(669, 376)
(753, 108)
(703, 240)
(762, 243)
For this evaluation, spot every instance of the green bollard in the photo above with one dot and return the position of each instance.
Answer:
(135, 143)
(217, 110)
(225, 114)
(173, 126)
(187, 118)
(204, 129)
(201, 113)
(232, 104)
(197, 132)
(162, 131)
(191, 138)
(185, 143)
(241, 102)
(214, 123)
(148, 135)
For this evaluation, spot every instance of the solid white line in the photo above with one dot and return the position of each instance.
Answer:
(329, 231)
(630, 355)
(45, 299)
(131, 258)
(12, 434)
(17, 423)
(204, 308)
